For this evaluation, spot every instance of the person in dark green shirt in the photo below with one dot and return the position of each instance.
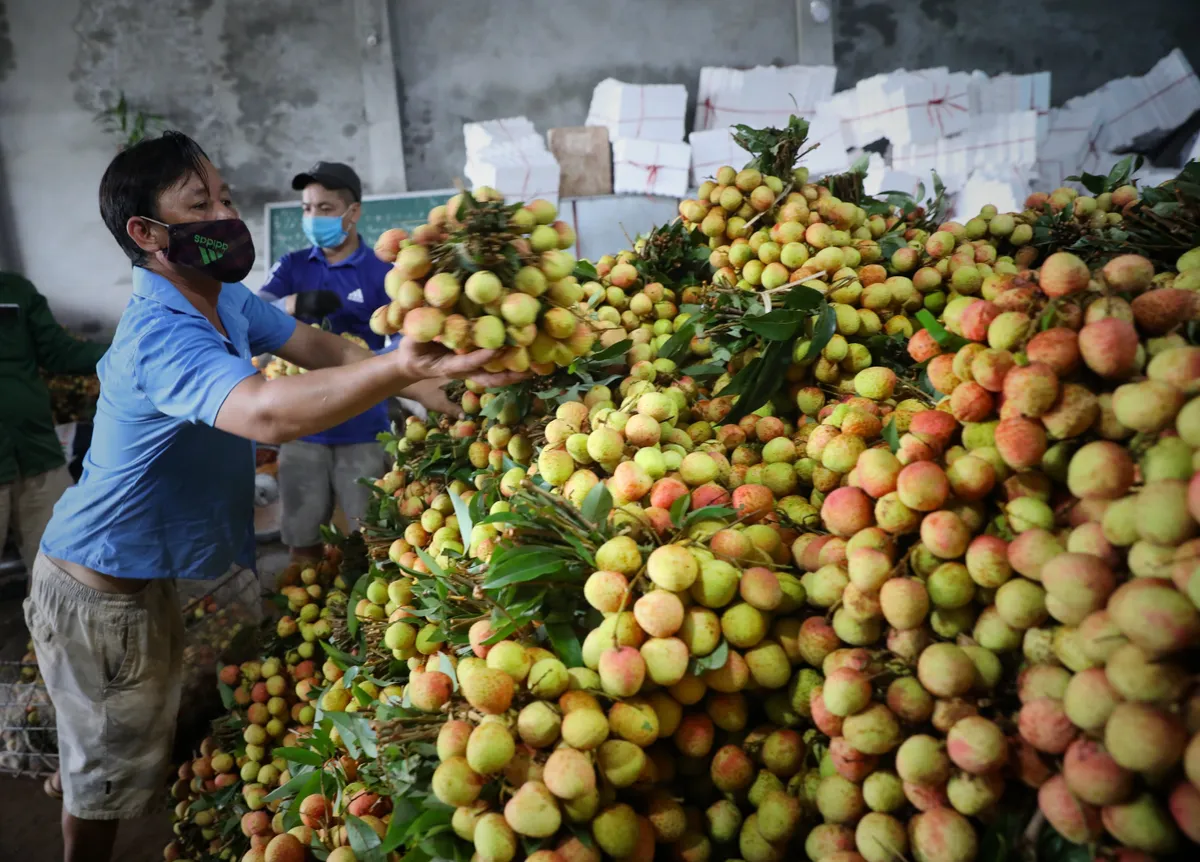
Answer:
(33, 472)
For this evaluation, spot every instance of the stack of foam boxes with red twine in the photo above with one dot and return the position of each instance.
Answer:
(1138, 110)
(645, 124)
(765, 96)
(510, 156)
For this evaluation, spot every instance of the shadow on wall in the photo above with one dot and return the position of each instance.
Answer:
(264, 87)
(1083, 43)
(10, 255)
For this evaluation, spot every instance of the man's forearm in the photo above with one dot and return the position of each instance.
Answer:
(291, 407)
(316, 349)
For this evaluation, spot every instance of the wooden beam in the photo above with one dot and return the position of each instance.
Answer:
(384, 171)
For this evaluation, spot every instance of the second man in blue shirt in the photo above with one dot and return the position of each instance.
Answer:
(337, 280)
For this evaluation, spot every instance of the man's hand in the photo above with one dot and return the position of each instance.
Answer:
(317, 304)
(423, 361)
(430, 395)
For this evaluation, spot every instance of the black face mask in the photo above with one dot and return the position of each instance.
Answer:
(222, 249)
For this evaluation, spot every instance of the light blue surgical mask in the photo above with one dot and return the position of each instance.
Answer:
(324, 231)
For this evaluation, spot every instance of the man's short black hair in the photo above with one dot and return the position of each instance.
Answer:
(138, 175)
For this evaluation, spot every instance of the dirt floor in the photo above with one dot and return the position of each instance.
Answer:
(29, 828)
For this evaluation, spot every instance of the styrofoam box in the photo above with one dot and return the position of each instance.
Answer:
(829, 157)
(1062, 151)
(653, 112)
(713, 149)
(992, 139)
(651, 167)
(520, 178)
(510, 131)
(760, 97)
(1003, 94)
(917, 107)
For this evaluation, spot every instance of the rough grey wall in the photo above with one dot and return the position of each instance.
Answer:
(267, 87)
(465, 60)
(1084, 43)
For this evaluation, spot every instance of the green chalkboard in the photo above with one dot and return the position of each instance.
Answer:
(380, 212)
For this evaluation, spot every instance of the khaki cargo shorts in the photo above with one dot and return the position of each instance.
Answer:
(313, 477)
(112, 666)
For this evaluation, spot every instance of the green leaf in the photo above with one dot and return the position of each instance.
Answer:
(715, 660)
(615, 351)
(781, 324)
(341, 658)
(358, 591)
(566, 643)
(711, 369)
(226, 695)
(463, 512)
(824, 329)
(708, 513)
(679, 509)
(948, 341)
(802, 298)
(355, 731)
(366, 845)
(679, 342)
(597, 504)
(447, 667)
(585, 271)
(1051, 845)
(435, 814)
(583, 834)
(521, 574)
(403, 813)
(430, 563)
(303, 783)
(299, 755)
(860, 164)
(891, 436)
(889, 244)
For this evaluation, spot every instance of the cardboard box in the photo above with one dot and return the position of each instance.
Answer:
(585, 159)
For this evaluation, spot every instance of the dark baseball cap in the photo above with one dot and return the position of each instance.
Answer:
(332, 175)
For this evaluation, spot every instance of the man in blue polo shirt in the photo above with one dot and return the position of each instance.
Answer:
(167, 488)
(339, 280)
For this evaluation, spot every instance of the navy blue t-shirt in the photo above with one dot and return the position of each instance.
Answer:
(358, 281)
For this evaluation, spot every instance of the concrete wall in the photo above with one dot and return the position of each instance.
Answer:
(266, 87)
(1084, 43)
(463, 60)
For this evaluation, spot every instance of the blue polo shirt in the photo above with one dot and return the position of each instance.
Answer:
(358, 281)
(163, 492)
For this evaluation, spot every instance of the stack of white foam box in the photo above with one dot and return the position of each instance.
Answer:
(906, 107)
(510, 156)
(765, 96)
(1003, 186)
(989, 140)
(1006, 94)
(712, 149)
(645, 123)
(881, 178)
(760, 97)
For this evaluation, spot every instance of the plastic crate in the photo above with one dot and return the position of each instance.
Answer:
(28, 733)
(221, 620)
